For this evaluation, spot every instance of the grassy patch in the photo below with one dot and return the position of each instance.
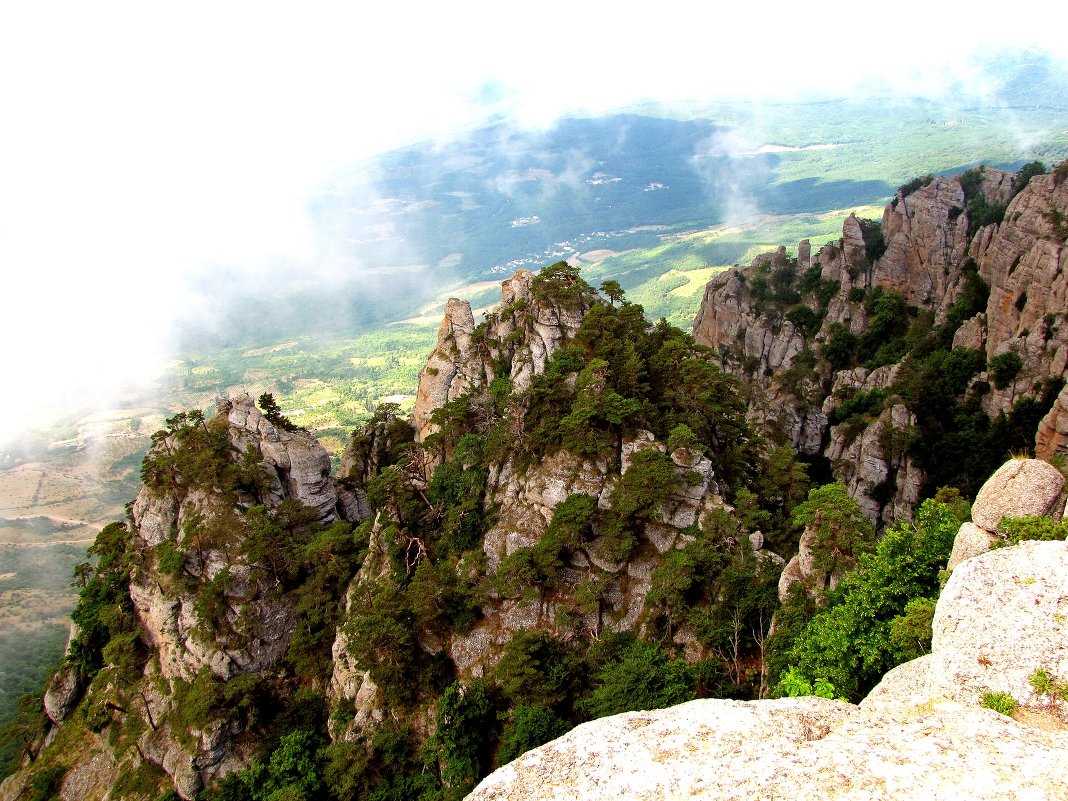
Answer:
(999, 702)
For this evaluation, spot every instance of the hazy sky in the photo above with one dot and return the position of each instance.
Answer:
(141, 143)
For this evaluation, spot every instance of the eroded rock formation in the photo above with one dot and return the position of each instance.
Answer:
(921, 733)
(929, 252)
(520, 335)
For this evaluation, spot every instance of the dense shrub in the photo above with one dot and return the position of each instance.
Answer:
(806, 319)
(874, 241)
(529, 727)
(642, 676)
(1004, 368)
(850, 642)
(909, 187)
(466, 725)
(840, 348)
(888, 321)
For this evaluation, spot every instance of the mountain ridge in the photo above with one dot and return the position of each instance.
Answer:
(581, 497)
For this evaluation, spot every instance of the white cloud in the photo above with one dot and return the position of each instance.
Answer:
(143, 143)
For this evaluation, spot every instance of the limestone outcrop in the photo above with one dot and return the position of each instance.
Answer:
(971, 540)
(1019, 488)
(453, 369)
(1002, 616)
(295, 464)
(806, 748)
(921, 733)
(1052, 437)
(62, 694)
(207, 474)
(521, 334)
(927, 250)
(522, 493)
(875, 466)
(926, 240)
(728, 319)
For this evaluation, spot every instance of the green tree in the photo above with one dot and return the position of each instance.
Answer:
(910, 632)
(841, 532)
(650, 480)
(273, 412)
(561, 284)
(682, 436)
(598, 412)
(296, 766)
(849, 642)
(643, 677)
(613, 290)
(529, 727)
(466, 731)
(22, 731)
(737, 622)
(535, 669)
(840, 347)
(104, 609)
(888, 320)
(1004, 368)
(381, 635)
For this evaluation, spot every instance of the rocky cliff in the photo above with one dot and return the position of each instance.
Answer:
(193, 605)
(580, 498)
(923, 732)
(515, 341)
(484, 403)
(560, 493)
(832, 345)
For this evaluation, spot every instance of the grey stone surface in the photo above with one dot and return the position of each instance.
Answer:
(1019, 488)
(971, 540)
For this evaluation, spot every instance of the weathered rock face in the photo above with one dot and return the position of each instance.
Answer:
(802, 569)
(62, 694)
(524, 500)
(760, 349)
(971, 540)
(875, 467)
(1001, 616)
(198, 518)
(177, 632)
(929, 259)
(296, 465)
(1052, 436)
(921, 733)
(370, 449)
(524, 332)
(1019, 488)
(544, 325)
(926, 240)
(453, 369)
(522, 493)
(727, 318)
(1023, 261)
(803, 748)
